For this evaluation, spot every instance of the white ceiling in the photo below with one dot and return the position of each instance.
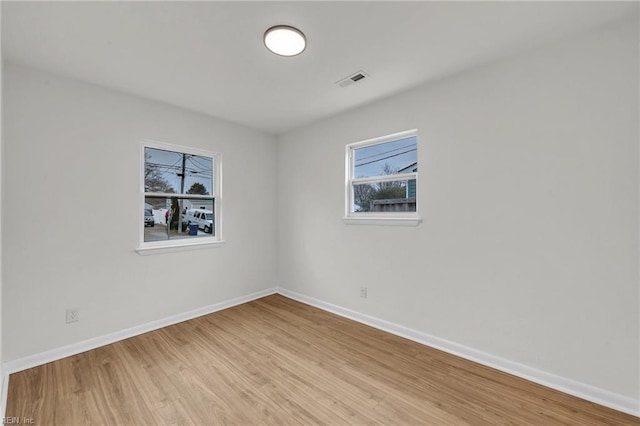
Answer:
(209, 56)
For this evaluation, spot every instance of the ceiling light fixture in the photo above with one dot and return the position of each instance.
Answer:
(284, 40)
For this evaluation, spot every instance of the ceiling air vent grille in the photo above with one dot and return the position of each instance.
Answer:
(353, 78)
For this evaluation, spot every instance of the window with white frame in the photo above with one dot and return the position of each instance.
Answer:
(381, 180)
(180, 198)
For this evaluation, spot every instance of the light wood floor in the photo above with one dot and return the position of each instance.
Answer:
(276, 361)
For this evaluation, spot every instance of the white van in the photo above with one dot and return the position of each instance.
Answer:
(204, 219)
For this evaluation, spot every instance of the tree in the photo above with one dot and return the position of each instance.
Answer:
(154, 181)
(198, 188)
(364, 194)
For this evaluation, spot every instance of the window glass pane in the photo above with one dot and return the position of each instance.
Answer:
(394, 196)
(169, 218)
(177, 172)
(386, 158)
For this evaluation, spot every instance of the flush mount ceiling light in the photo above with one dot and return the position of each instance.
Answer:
(284, 40)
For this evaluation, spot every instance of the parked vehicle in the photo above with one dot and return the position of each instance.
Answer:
(148, 218)
(204, 219)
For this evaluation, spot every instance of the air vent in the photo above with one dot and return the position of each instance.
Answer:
(353, 78)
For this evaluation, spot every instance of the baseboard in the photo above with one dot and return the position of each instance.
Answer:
(569, 386)
(86, 345)
(562, 384)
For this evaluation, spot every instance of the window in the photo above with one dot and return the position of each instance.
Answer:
(381, 177)
(180, 198)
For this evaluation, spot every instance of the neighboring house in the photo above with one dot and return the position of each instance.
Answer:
(411, 185)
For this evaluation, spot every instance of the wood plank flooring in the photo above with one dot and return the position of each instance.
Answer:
(275, 361)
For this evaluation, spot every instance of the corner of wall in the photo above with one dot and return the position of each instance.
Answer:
(3, 381)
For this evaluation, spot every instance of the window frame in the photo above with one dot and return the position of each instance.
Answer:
(377, 218)
(167, 246)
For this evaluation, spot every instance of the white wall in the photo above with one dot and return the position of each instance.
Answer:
(528, 187)
(72, 150)
(1, 220)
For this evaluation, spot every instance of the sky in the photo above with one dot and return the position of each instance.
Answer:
(169, 164)
(370, 160)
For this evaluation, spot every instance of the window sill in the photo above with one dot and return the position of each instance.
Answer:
(172, 248)
(382, 221)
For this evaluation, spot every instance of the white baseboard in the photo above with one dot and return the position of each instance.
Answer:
(86, 345)
(569, 386)
(562, 384)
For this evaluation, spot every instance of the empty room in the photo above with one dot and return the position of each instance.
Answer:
(299, 212)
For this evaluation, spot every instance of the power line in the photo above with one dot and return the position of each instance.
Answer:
(176, 167)
(380, 159)
(386, 152)
(199, 168)
(197, 160)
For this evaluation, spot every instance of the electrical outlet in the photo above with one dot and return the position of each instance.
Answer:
(73, 315)
(363, 292)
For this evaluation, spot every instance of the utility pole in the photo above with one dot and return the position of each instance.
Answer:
(181, 203)
(184, 162)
